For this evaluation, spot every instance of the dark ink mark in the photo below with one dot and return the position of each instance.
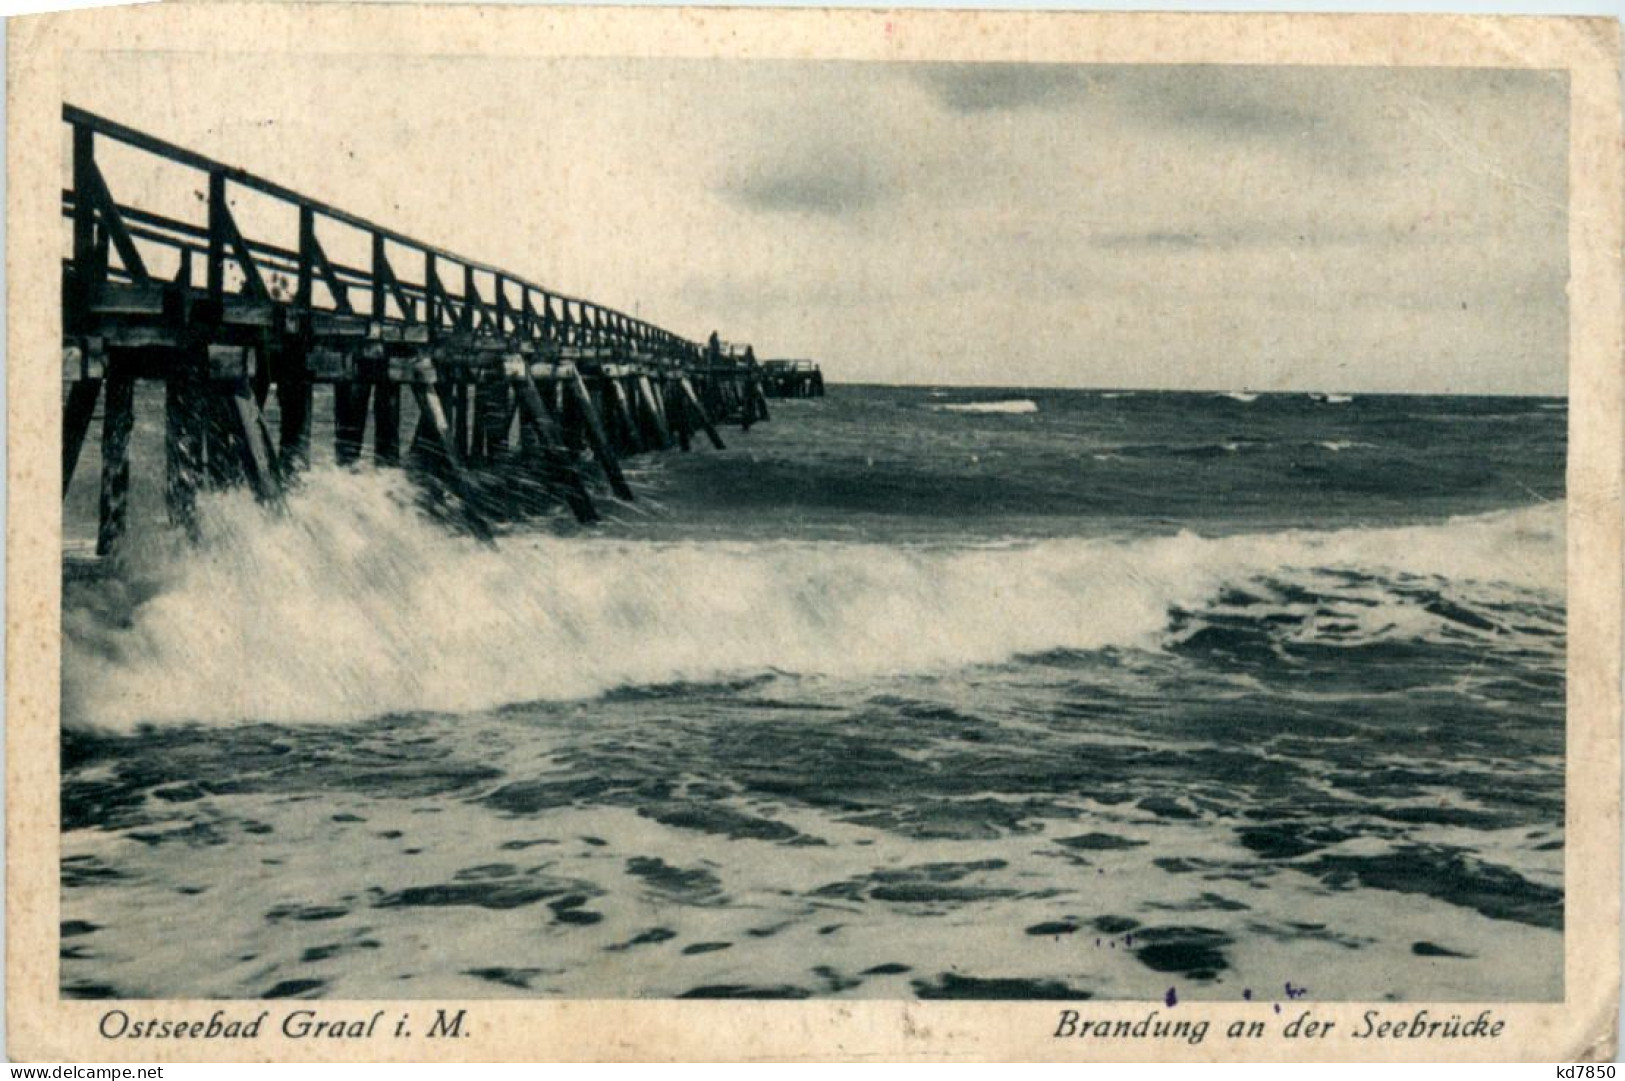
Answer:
(951, 985)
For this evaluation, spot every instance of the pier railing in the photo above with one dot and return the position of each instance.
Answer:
(222, 313)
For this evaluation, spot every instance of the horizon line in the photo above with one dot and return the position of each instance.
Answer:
(1195, 390)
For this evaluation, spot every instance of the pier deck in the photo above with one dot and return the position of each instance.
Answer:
(792, 379)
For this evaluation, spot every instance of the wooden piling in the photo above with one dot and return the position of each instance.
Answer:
(679, 416)
(597, 438)
(460, 431)
(603, 408)
(528, 443)
(77, 413)
(222, 464)
(625, 423)
(491, 422)
(570, 416)
(425, 439)
(261, 376)
(183, 437)
(655, 429)
(479, 411)
(349, 419)
(657, 391)
(386, 423)
(295, 399)
(711, 401)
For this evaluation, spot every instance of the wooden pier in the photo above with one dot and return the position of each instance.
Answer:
(222, 318)
(792, 379)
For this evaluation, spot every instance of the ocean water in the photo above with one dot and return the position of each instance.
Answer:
(912, 692)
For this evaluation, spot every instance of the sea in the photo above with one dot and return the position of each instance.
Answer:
(910, 693)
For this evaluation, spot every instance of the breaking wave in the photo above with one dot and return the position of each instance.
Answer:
(1015, 405)
(355, 605)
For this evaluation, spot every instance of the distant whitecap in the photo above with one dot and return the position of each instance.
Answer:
(1017, 405)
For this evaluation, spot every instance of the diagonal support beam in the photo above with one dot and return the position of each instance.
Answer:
(312, 258)
(692, 402)
(386, 284)
(224, 234)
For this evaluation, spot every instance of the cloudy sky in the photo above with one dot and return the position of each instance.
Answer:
(1115, 226)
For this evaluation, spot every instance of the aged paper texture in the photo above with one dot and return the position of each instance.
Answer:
(674, 534)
